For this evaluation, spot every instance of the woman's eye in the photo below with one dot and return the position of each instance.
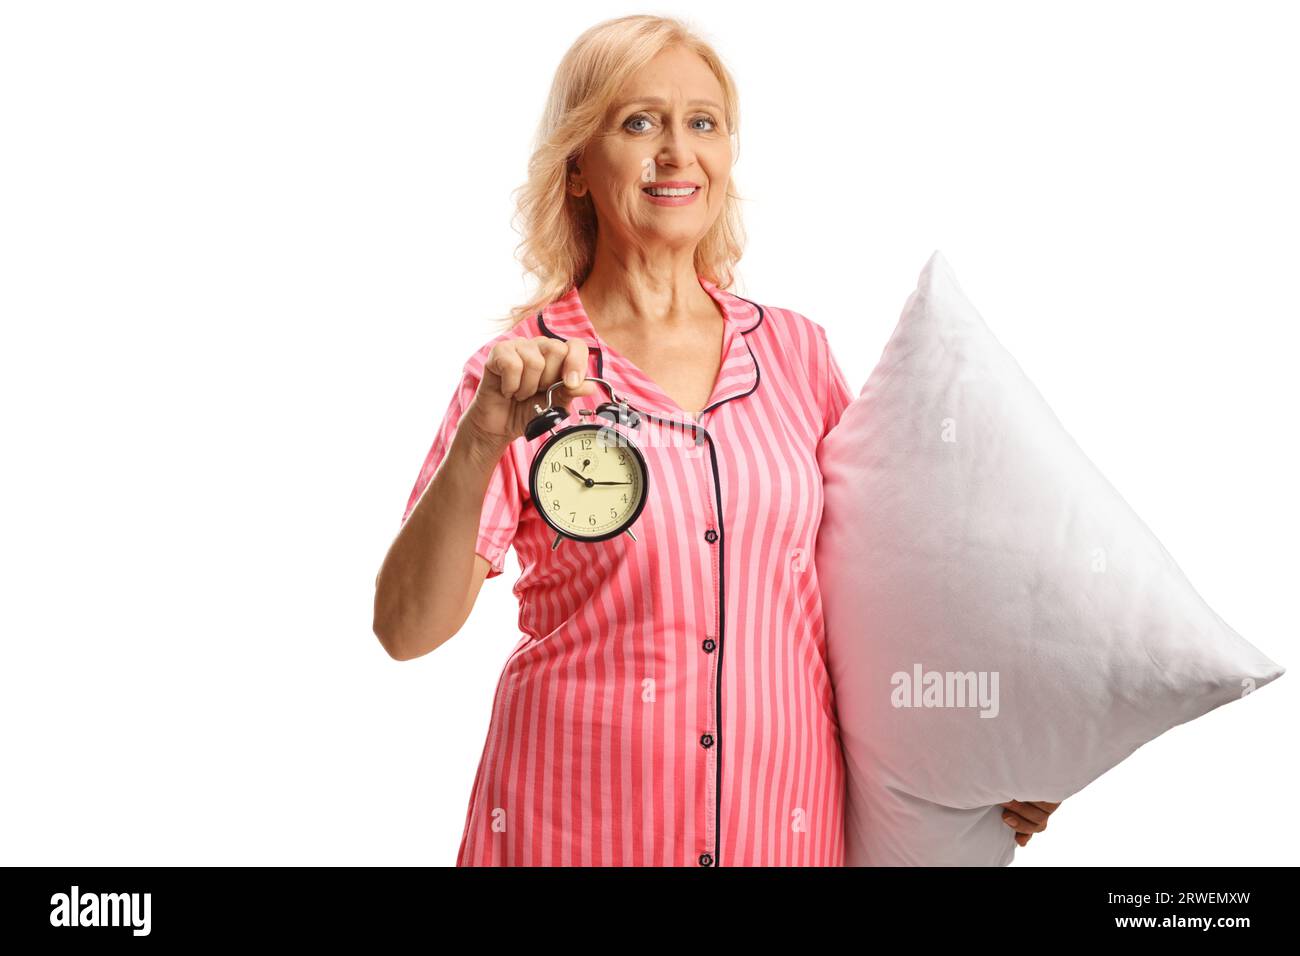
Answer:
(640, 117)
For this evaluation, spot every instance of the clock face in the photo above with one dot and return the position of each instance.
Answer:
(589, 482)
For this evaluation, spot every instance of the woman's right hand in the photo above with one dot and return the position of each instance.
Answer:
(516, 375)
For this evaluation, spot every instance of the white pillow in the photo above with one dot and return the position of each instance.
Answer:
(965, 532)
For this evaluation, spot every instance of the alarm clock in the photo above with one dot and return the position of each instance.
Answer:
(588, 481)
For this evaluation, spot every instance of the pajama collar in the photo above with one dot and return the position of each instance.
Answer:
(738, 376)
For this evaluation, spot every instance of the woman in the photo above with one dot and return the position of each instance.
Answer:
(669, 701)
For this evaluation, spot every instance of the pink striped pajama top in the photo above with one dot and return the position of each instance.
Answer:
(668, 702)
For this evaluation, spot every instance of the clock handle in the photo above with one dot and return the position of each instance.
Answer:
(617, 410)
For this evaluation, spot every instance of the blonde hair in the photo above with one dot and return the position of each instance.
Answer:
(559, 230)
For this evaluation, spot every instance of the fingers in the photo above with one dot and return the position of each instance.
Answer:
(1020, 824)
(508, 365)
(535, 358)
(575, 365)
(519, 363)
(1024, 817)
(529, 365)
(565, 362)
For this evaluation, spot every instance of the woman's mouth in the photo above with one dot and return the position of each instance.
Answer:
(671, 195)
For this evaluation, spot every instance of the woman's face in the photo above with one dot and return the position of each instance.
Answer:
(666, 126)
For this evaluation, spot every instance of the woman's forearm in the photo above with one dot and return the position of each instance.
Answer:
(423, 584)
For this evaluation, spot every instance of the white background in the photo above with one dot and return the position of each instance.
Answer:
(247, 247)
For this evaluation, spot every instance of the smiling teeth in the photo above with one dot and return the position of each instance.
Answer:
(660, 191)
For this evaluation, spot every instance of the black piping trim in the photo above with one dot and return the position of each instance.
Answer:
(761, 313)
(697, 428)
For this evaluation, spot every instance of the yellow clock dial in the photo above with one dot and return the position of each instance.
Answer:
(589, 482)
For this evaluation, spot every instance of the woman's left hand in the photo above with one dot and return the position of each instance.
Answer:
(1027, 817)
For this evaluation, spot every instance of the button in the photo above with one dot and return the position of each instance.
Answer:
(798, 560)
(706, 740)
(710, 536)
(709, 645)
(706, 859)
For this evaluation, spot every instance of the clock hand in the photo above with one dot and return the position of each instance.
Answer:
(589, 482)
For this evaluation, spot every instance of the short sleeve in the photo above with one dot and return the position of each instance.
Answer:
(504, 498)
(835, 391)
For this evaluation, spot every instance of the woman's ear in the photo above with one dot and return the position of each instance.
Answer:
(576, 186)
